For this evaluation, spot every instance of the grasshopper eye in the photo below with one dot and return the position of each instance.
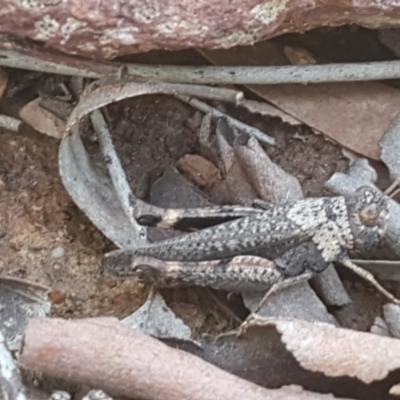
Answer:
(369, 215)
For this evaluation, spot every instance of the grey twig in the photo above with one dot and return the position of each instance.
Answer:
(120, 90)
(246, 75)
(250, 130)
(117, 173)
(249, 75)
(13, 59)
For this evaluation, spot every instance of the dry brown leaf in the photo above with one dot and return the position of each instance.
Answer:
(274, 352)
(155, 318)
(235, 187)
(269, 179)
(355, 115)
(258, 107)
(299, 56)
(42, 120)
(340, 352)
(3, 82)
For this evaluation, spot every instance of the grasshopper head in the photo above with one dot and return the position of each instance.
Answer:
(368, 216)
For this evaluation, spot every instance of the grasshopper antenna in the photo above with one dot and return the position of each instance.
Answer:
(369, 278)
(393, 189)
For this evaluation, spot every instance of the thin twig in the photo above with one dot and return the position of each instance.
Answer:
(246, 75)
(226, 309)
(250, 130)
(384, 270)
(116, 91)
(367, 276)
(117, 173)
(271, 75)
(13, 59)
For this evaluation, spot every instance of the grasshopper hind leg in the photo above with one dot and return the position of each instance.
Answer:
(282, 285)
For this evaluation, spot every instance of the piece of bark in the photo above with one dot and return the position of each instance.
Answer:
(42, 120)
(90, 352)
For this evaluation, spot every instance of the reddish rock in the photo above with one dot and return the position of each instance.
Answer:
(108, 29)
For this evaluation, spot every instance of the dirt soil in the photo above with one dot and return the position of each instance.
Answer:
(44, 237)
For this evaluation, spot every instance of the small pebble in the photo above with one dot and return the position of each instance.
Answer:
(60, 395)
(57, 266)
(58, 252)
(57, 297)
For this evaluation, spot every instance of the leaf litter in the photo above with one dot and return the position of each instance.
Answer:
(108, 202)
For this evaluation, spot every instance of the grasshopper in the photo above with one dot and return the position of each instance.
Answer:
(262, 248)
